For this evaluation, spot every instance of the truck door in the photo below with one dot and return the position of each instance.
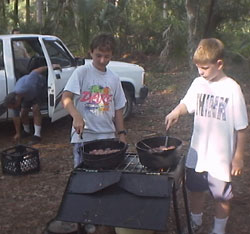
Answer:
(3, 84)
(57, 79)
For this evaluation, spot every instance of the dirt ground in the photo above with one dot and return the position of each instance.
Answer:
(29, 202)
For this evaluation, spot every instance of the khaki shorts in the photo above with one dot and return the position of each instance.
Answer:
(203, 181)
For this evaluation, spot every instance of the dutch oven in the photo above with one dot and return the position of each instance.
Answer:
(104, 161)
(157, 160)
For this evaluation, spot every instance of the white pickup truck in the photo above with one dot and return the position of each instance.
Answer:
(19, 52)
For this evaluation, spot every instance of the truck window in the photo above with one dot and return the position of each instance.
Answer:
(27, 54)
(1, 56)
(58, 54)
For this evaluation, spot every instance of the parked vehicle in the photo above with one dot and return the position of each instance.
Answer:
(48, 50)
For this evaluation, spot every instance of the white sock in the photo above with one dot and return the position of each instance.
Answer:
(26, 127)
(197, 218)
(37, 130)
(220, 225)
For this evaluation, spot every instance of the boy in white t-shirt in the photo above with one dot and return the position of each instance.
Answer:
(94, 98)
(218, 139)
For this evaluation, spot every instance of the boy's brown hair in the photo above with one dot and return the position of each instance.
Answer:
(209, 50)
(104, 42)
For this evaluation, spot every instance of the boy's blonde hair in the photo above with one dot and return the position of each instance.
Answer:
(209, 50)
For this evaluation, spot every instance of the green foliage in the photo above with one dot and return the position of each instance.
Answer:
(146, 26)
(87, 14)
(138, 25)
(236, 36)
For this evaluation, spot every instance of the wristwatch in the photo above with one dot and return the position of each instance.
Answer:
(122, 132)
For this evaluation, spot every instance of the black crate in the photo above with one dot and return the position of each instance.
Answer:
(20, 160)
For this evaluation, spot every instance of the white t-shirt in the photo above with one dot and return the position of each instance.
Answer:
(219, 111)
(97, 95)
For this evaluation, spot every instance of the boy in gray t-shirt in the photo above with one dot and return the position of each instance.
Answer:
(95, 99)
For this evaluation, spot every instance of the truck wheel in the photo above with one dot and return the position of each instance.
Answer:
(129, 105)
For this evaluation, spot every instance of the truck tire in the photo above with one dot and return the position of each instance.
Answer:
(129, 105)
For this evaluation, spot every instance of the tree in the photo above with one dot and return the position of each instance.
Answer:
(209, 18)
(3, 20)
(15, 16)
(27, 7)
(39, 12)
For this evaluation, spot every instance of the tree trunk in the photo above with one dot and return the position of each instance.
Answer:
(164, 9)
(194, 35)
(39, 12)
(3, 23)
(27, 6)
(2, 7)
(16, 13)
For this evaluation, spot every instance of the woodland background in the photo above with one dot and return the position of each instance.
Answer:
(160, 35)
(165, 31)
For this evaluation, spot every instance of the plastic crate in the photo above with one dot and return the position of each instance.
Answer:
(20, 160)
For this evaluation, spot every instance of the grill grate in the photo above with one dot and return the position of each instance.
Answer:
(130, 164)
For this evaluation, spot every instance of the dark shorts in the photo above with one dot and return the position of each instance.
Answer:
(203, 181)
(29, 104)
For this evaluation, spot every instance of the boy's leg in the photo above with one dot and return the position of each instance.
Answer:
(197, 185)
(222, 193)
(77, 153)
(37, 119)
(197, 200)
(37, 115)
(221, 216)
(222, 209)
(25, 119)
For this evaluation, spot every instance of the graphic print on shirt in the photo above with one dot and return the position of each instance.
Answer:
(97, 99)
(211, 106)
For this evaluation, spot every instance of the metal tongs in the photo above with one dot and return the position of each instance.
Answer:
(156, 150)
(166, 139)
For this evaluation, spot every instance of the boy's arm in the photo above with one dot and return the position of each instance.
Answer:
(237, 162)
(174, 115)
(45, 68)
(119, 124)
(68, 104)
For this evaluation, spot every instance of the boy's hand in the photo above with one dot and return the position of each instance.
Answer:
(237, 166)
(171, 119)
(122, 138)
(174, 115)
(78, 124)
(57, 67)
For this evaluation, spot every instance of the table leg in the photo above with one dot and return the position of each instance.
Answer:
(176, 212)
(184, 190)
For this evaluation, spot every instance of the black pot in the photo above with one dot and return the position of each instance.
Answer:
(158, 160)
(104, 161)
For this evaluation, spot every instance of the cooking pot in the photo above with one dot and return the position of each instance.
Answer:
(157, 160)
(104, 161)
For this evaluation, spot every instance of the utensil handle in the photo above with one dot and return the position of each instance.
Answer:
(166, 139)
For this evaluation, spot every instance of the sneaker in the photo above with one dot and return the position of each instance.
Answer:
(35, 140)
(195, 228)
(90, 228)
